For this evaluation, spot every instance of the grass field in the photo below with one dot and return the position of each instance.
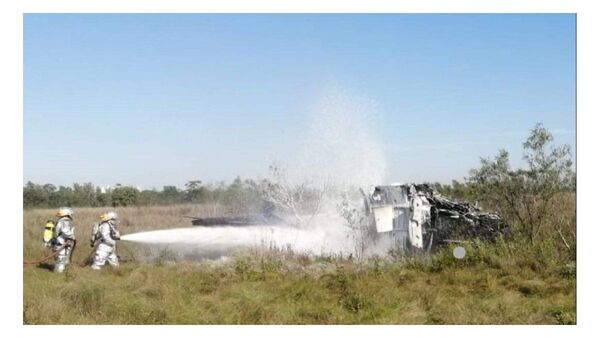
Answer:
(502, 283)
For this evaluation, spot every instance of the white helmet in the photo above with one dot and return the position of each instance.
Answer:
(64, 212)
(107, 216)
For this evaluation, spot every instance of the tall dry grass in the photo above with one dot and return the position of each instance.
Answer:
(269, 290)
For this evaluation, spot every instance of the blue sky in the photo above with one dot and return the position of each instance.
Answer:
(153, 100)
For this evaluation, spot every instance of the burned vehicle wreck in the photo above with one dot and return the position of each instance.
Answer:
(415, 216)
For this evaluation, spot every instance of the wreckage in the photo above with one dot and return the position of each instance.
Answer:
(417, 216)
(254, 219)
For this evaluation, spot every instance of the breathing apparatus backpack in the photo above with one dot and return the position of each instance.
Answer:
(94, 237)
(49, 231)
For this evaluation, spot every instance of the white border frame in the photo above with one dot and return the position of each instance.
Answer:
(587, 108)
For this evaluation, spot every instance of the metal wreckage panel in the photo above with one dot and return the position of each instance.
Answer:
(424, 219)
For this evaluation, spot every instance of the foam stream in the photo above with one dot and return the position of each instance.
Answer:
(221, 240)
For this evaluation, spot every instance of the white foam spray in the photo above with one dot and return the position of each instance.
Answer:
(341, 150)
(218, 241)
(342, 146)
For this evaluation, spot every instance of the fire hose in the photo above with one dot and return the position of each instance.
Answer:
(88, 259)
(85, 262)
(71, 242)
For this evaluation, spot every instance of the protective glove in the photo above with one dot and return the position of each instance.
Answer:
(115, 234)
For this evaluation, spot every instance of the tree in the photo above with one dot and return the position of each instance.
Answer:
(298, 200)
(66, 196)
(170, 195)
(124, 196)
(194, 191)
(149, 197)
(103, 198)
(85, 194)
(524, 196)
(34, 195)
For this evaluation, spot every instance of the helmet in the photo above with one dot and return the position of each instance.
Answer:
(64, 211)
(107, 216)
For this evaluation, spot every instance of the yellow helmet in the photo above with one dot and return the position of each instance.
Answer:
(64, 211)
(107, 216)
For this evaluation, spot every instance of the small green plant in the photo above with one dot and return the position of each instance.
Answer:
(164, 255)
(564, 317)
(243, 268)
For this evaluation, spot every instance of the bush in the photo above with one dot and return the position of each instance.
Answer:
(125, 196)
(525, 197)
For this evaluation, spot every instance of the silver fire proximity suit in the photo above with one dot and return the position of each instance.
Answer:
(106, 239)
(64, 232)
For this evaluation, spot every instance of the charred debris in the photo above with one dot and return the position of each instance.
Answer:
(417, 216)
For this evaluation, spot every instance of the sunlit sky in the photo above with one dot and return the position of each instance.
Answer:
(153, 100)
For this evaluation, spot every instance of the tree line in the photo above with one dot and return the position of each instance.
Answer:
(88, 195)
